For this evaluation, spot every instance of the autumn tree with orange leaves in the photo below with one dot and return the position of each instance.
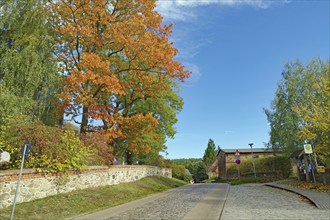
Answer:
(114, 54)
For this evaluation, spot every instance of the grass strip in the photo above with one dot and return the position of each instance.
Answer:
(244, 180)
(89, 200)
(251, 180)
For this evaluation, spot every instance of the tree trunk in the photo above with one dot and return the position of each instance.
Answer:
(84, 121)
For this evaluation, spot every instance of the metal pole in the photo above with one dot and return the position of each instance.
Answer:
(254, 168)
(306, 168)
(239, 174)
(19, 179)
(316, 164)
(310, 159)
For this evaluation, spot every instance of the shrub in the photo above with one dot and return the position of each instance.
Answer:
(53, 148)
(200, 173)
(279, 164)
(282, 164)
(154, 159)
(179, 172)
(245, 166)
(103, 152)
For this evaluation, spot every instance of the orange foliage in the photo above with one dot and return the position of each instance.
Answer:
(97, 140)
(135, 128)
(112, 54)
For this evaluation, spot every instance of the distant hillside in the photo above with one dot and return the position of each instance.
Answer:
(185, 161)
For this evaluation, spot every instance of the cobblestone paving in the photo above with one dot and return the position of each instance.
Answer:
(173, 206)
(255, 201)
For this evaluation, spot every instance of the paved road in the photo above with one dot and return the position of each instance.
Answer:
(208, 202)
(256, 201)
(197, 201)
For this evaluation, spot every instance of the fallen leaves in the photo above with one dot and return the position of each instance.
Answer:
(318, 187)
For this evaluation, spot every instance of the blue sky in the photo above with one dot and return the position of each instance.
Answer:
(236, 50)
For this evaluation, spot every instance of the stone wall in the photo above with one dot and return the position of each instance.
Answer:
(36, 185)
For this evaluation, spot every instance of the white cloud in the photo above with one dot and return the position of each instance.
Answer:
(181, 9)
(191, 47)
(170, 10)
(229, 132)
(186, 10)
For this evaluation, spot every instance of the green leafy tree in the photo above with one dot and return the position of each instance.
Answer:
(164, 106)
(284, 122)
(314, 111)
(119, 66)
(28, 77)
(200, 173)
(186, 162)
(179, 172)
(112, 63)
(195, 166)
(210, 153)
(300, 110)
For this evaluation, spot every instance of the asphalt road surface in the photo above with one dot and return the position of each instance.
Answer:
(197, 201)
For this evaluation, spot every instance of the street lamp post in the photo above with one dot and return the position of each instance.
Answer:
(254, 168)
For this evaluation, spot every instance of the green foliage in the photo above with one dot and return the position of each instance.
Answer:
(195, 166)
(68, 205)
(191, 164)
(11, 104)
(186, 162)
(315, 110)
(210, 153)
(103, 151)
(31, 78)
(164, 106)
(200, 173)
(277, 164)
(28, 78)
(179, 172)
(54, 149)
(153, 159)
(245, 167)
(251, 180)
(300, 110)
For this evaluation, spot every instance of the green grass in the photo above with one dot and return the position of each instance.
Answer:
(90, 200)
(245, 180)
(251, 180)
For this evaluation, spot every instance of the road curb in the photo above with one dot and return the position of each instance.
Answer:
(318, 203)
